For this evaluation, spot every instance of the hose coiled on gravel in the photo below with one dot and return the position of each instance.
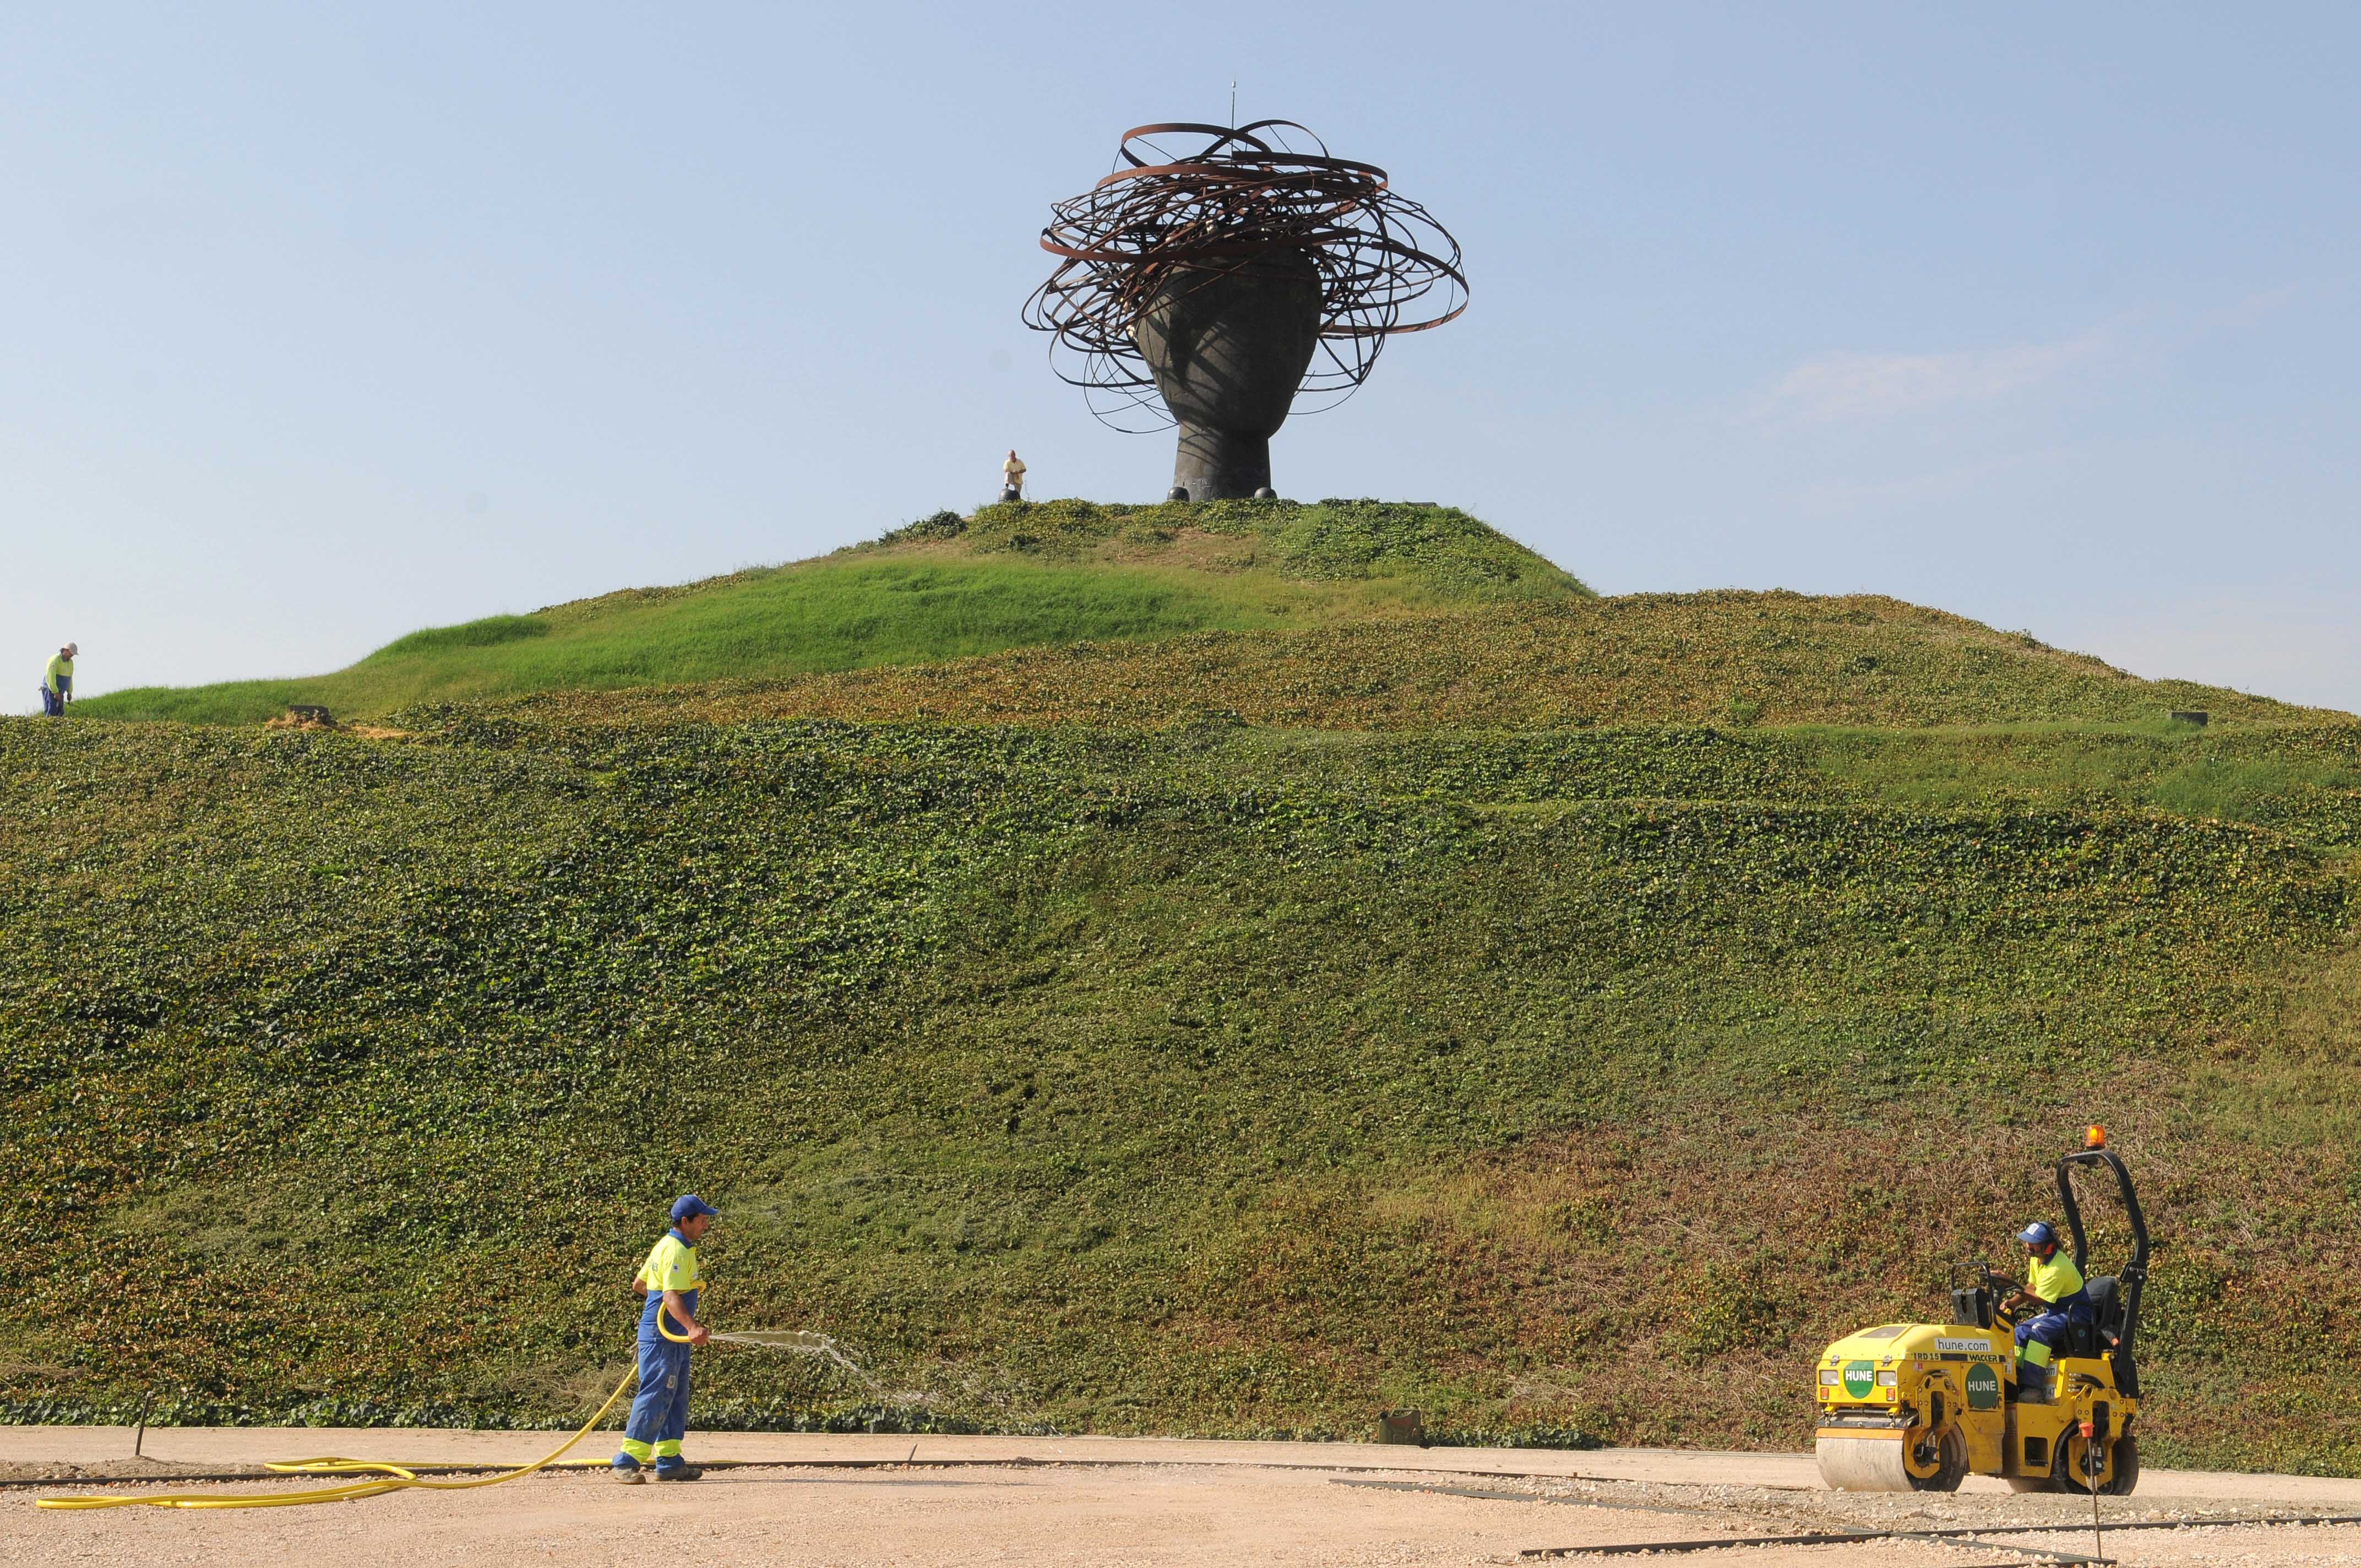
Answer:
(386, 1477)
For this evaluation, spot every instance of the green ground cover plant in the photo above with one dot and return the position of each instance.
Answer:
(1222, 969)
(1215, 1080)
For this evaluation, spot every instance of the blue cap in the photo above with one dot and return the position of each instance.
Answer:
(2037, 1234)
(689, 1204)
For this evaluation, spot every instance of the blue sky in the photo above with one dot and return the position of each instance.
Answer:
(323, 324)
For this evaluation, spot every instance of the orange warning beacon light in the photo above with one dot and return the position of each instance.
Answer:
(2094, 1137)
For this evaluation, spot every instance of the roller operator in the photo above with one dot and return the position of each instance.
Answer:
(2051, 1301)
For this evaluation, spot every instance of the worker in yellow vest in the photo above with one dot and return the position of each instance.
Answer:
(670, 1279)
(2052, 1302)
(57, 682)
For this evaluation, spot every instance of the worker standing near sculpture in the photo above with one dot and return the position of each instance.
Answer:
(670, 1279)
(1220, 271)
(57, 682)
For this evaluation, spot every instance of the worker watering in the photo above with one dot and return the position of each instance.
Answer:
(659, 1410)
(652, 1434)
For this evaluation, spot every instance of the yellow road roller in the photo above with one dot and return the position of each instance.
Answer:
(1915, 1407)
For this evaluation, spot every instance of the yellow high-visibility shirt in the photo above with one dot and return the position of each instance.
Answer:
(61, 675)
(671, 1266)
(2054, 1280)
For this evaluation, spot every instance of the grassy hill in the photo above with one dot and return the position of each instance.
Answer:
(1012, 577)
(1728, 658)
(1243, 1057)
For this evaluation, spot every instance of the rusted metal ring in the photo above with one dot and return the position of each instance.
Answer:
(1386, 265)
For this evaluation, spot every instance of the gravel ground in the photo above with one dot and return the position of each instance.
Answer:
(1109, 1502)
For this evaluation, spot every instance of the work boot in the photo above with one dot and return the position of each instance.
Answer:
(2032, 1384)
(630, 1474)
(679, 1472)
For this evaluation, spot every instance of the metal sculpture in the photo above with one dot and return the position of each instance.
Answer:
(1206, 287)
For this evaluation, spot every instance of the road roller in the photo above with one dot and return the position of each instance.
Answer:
(1916, 1406)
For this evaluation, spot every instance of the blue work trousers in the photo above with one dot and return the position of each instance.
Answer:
(2048, 1330)
(660, 1409)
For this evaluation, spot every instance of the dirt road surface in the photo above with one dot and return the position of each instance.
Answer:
(808, 1499)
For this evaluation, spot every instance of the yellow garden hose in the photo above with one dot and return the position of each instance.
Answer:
(390, 1478)
(386, 1477)
(676, 1339)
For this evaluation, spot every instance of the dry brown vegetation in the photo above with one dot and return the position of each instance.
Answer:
(1711, 658)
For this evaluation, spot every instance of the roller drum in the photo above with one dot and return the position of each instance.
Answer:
(1864, 1464)
(1882, 1463)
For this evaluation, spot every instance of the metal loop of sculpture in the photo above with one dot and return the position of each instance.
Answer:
(1207, 287)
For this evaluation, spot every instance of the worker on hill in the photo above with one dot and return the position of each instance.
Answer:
(57, 683)
(2051, 1301)
(1012, 477)
(670, 1279)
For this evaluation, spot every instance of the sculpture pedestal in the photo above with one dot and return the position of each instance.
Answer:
(1214, 465)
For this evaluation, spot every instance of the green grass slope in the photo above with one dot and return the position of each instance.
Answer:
(1013, 576)
(1223, 969)
(1223, 1080)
